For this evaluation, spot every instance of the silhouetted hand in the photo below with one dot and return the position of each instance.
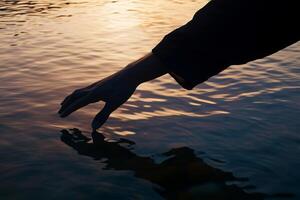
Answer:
(113, 90)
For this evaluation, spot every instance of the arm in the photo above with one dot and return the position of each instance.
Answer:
(223, 33)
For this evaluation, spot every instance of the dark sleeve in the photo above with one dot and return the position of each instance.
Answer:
(227, 32)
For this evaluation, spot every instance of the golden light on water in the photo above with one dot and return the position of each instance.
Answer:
(50, 48)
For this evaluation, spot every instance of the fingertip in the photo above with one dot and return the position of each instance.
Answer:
(63, 114)
(94, 126)
(97, 122)
(61, 109)
(59, 114)
(65, 111)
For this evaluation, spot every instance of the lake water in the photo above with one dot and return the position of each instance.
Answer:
(235, 136)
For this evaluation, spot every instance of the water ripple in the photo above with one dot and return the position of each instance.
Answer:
(246, 119)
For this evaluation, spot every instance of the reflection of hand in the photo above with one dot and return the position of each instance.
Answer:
(113, 90)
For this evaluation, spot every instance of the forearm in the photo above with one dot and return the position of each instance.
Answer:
(142, 70)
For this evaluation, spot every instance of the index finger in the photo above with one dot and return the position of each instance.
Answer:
(71, 99)
(81, 102)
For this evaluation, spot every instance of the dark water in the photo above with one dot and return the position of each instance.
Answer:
(233, 137)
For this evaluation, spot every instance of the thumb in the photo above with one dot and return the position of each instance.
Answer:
(102, 116)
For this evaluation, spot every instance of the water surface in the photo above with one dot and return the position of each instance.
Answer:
(241, 125)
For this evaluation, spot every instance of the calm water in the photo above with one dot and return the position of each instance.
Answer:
(236, 134)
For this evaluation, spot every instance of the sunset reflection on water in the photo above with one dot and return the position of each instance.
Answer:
(245, 120)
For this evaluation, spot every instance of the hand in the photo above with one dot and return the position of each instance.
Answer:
(113, 90)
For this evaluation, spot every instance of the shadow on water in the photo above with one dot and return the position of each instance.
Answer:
(181, 176)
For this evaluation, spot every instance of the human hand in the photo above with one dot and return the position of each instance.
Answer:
(113, 90)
